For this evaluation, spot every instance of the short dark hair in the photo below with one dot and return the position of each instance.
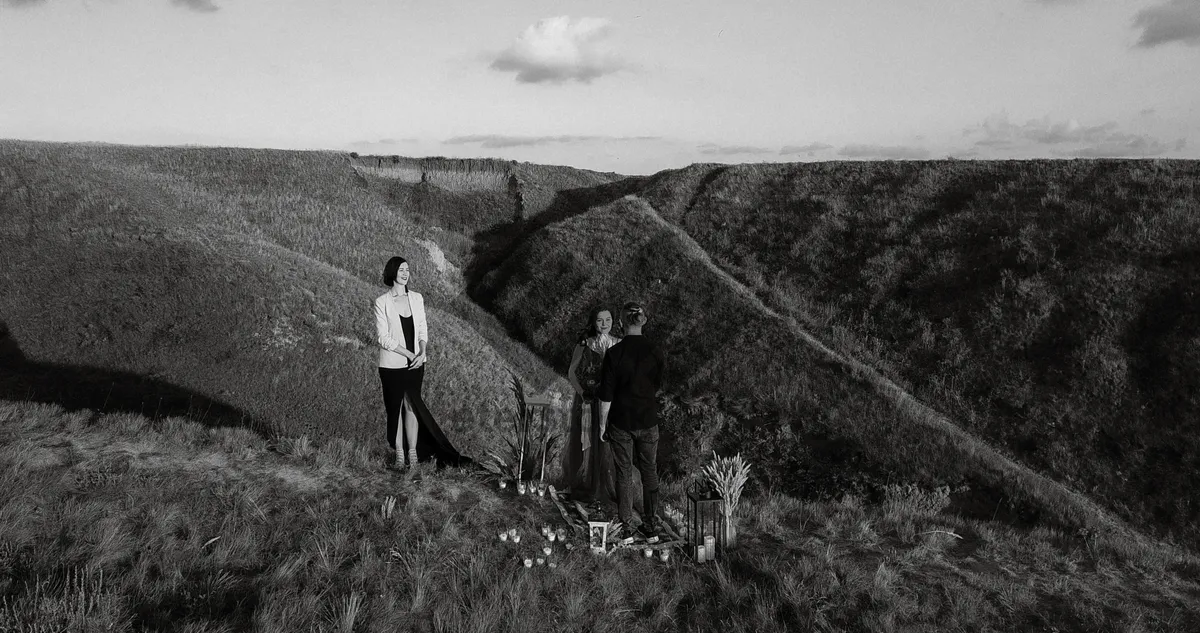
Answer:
(389, 270)
(636, 314)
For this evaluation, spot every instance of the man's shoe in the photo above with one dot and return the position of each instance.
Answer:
(622, 533)
(649, 530)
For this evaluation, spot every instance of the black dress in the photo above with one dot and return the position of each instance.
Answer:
(432, 444)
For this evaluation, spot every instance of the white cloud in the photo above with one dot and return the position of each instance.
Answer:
(1171, 21)
(712, 149)
(810, 149)
(560, 49)
(1069, 138)
(500, 141)
(202, 6)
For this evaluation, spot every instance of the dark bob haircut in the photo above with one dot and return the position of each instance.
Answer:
(389, 270)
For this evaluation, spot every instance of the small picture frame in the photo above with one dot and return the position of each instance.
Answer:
(598, 536)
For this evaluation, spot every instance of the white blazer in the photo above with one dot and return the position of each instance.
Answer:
(391, 334)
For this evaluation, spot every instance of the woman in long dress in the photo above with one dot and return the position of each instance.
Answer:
(403, 334)
(588, 462)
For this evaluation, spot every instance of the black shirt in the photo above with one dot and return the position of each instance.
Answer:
(630, 378)
(406, 326)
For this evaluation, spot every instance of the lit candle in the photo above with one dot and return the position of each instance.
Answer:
(570, 545)
(550, 537)
(647, 552)
(553, 564)
(520, 487)
(546, 550)
(699, 553)
(528, 563)
(516, 538)
(541, 561)
(503, 484)
(541, 491)
(664, 555)
(504, 536)
(710, 548)
(545, 530)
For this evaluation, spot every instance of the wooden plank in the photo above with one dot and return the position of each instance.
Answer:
(580, 528)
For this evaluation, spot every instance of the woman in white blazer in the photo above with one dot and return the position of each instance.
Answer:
(403, 335)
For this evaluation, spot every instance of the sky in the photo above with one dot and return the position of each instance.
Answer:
(627, 86)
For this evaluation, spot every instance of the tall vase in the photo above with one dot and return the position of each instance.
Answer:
(730, 532)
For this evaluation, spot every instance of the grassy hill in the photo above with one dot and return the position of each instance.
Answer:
(1049, 306)
(814, 420)
(187, 352)
(123, 523)
(163, 270)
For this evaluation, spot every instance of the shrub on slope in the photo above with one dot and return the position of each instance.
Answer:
(1050, 306)
(813, 407)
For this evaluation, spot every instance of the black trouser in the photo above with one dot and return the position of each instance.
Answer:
(397, 382)
(640, 448)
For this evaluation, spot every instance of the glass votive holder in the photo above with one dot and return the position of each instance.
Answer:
(541, 561)
(647, 552)
(528, 563)
(551, 536)
(547, 549)
(504, 536)
(699, 553)
(503, 484)
(541, 491)
(516, 538)
(520, 487)
(710, 548)
(545, 530)
(664, 555)
(552, 564)
(570, 545)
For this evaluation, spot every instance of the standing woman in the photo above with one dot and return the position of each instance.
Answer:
(403, 334)
(588, 462)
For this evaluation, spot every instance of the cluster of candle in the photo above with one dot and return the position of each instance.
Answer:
(708, 551)
(663, 554)
(551, 535)
(532, 487)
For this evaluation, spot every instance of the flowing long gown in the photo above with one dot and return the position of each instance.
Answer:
(588, 462)
(432, 444)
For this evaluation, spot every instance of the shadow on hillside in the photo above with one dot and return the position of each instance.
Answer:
(493, 245)
(107, 391)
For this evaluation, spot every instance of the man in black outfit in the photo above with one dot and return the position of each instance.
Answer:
(630, 378)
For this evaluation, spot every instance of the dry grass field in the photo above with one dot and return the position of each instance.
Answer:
(190, 423)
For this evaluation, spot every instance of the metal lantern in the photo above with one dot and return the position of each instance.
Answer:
(705, 523)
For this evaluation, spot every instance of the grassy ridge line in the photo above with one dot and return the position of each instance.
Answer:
(1047, 306)
(719, 339)
(996, 467)
(129, 524)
